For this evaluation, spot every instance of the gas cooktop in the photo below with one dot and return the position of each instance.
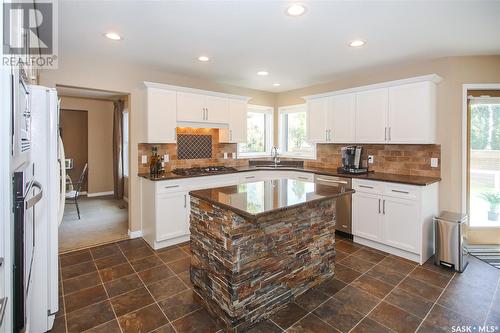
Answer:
(209, 170)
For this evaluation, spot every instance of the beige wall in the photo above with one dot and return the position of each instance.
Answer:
(100, 140)
(74, 130)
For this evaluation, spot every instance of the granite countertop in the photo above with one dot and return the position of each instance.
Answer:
(254, 200)
(380, 176)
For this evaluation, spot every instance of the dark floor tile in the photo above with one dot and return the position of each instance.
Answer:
(103, 251)
(61, 312)
(345, 274)
(90, 316)
(357, 299)
(493, 318)
(311, 324)
(77, 270)
(338, 315)
(173, 254)
(181, 265)
(288, 315)
(420, 288)
(116, 272)
(331, 286)
(368, 325)
(109, 327)
(74, 258)
(81, 282)
(372, 286)
(357, 264)
(441, 319)
(164, 329)
(430, 265)
(198, 321)
(430, 277)
(339, 255)
(110, 261)
(186, 248)
(347, 247)
(143, 320)
(369, 255)
(395, 318)
(139, 253)
(166, 288)
(413, 304)
(146, 263)
(85, 297)
(180, 304)
(312, 298)
(132, 244)
(266, 326)
(123, 285)
(186, 278)
(59, 325)
(155, 274)
(131, 301)
(386, 274)
(398, 264)
(479, 273)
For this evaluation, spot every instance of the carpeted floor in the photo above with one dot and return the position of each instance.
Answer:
(103, 220)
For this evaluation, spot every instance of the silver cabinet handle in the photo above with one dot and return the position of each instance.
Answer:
(383, 207)
(379, 205)
(331, 181)
(390, 134)
(385, 133)
(206, 118)
(171, 186)
(249, 177)
(398, 191)
(305, 178)
(185, 200)
(326, 135)
(365, 186)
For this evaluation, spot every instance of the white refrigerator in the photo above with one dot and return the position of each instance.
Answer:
(48, 159)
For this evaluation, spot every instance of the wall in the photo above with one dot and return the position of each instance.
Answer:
(74, 130)
(100, 140)
(110, 74)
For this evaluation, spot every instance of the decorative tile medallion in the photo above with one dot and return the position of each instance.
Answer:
(191, 146)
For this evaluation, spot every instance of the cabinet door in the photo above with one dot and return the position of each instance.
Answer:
(161, 109)
(190, 107)
(371, 116)
(317, 110)
(412, 113)
(401, 224)
(342, 118)
(216, 109)
(172, 215)
(367, 216)
(237, 131)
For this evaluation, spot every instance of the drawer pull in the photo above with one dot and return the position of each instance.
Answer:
(172, 186)
(331, 181)
(379, 205)
(249, 177)
(364, 186)
(398, 191)
(305, 178)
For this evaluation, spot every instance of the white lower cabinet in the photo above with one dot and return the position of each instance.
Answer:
(395, 218)
(172, 211)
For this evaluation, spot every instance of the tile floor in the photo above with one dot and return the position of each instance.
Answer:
(128, 287)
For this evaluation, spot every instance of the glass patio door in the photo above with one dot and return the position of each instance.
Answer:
(484, 162)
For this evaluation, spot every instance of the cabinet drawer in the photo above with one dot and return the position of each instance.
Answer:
(367, 186)
(402, 191)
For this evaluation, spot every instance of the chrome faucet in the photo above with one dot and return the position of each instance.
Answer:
(274, 154)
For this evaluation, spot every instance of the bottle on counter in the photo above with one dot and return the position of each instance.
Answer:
(153, 170)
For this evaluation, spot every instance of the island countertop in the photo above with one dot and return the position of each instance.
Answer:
(254, 200)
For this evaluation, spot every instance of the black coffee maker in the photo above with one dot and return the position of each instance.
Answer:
(351, 160)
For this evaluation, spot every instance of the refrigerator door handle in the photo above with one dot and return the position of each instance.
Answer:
(33, 201)
(3, 306)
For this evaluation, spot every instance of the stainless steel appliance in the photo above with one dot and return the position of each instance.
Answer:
(209, 170)
(344, 203)
(351, 160)
(450, 241)
(21, 119)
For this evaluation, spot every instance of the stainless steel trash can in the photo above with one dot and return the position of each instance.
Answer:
(451, 241)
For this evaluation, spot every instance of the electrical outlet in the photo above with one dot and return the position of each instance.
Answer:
(225, 155)
(166, 158)
(144, 159)
(434, 162)
(371, 159)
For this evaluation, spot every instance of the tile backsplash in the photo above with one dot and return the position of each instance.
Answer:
(194, 146)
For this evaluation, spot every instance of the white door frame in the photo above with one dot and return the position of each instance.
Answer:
(465, 151)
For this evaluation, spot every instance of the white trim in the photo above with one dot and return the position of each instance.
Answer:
(465, 152)
(99, 194)
(430, 77)
(135, 234)
(149, 84)
(293, 109)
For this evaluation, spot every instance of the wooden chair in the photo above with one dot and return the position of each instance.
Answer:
(77, 187)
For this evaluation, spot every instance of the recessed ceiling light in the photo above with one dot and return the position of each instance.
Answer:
(262, 73)
(203, 58)
(357, 43)
(276, 84)
(113, 36)
(296, 9)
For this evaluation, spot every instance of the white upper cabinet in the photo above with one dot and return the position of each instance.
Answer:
(317, 113)
(237, 129)
(342, 119)
(160, 115)
(201, 108)
(371, 115)
(217, 109)
(412, 113)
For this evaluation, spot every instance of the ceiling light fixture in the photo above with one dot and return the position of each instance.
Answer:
(262, 73)
(276, 84)
(357, 43)
(296, 9)
(113, 36)
(203, 58)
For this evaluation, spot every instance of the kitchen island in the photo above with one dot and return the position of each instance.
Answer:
(257, 246)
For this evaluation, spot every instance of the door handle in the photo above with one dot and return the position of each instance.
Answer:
(33, 201)
(249, 177)
(326, 135)
(231, 135)
(379, 206)
(383, 207)
(206, 118)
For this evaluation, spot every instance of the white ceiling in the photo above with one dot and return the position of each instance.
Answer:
(88, 93)
(243, 37)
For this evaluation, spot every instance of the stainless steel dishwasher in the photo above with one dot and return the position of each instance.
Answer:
(343, 209)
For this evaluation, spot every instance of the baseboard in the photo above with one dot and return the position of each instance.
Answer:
(100, 194)
(83, 193)
(135, 234)
(125, 199)
(389, 249)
